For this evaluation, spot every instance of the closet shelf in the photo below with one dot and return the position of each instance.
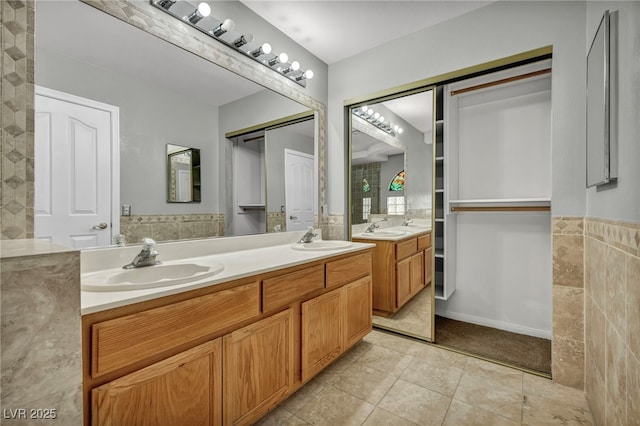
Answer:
(519, 201)
(256, 206)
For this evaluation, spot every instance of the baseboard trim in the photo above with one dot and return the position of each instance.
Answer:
(514, 328)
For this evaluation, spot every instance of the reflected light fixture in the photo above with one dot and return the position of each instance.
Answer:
(201, 11)
(227, 25)
(265, 49)
(199, 19)
(377, 120)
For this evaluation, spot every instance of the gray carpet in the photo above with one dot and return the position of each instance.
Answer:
(518, 350)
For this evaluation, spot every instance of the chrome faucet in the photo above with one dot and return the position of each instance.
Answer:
(374, 225)
(407, 222)
(146, 257)
(308, 237)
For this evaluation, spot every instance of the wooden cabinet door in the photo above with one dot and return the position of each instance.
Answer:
(428, 265)
(417, 272)
(258, 367)
(358, 310)
(184, 389)
(403, 281)
(322, 331)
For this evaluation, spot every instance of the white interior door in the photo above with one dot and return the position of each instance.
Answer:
(76, 170)
(299, 188)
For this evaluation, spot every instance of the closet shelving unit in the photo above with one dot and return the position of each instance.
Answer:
(444, 233)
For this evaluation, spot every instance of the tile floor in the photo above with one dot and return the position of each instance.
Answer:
(414, 317)
(388, 380)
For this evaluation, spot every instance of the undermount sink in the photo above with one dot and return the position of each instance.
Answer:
(382, 234)
(164, 274)
(322, 245)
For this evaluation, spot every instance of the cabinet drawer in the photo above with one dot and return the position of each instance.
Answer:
(348, 269)
(424, 242)
(123, 341)
(282, 290)
(406, 248)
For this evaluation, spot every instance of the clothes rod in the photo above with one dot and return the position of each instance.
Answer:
(503, 81)
(502, 209)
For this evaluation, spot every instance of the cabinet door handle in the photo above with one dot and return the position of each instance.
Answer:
(100, 226)
(293, 217)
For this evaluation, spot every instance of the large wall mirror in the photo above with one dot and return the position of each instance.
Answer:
(183, 174)
(165, 95)
(391, 183)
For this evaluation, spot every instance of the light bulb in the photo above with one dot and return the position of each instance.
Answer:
(396, 127)
(364, 108)
(381, 119)
(227, 25)
(370, 112)
(376, 115)
(283, 57)
(204, 9)
(400, 130)
(308, 74)
(295, 66)
(266, 48)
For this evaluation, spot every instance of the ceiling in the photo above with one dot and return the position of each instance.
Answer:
(335, 30)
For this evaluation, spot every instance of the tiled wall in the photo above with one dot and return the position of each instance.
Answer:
(276, 218)
(567, 362)
(370, 172)
(612, 321)
(41, 335)
(168, 227)
(16, 148)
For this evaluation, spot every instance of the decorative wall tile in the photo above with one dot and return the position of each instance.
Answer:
(276, 218)
(567, 362)
(568, 260)
(171, 227)
(16, 152)
(568, 308)
(612, 299)
(568, 225)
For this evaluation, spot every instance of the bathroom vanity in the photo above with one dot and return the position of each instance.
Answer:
(228, 348)
(402, 266)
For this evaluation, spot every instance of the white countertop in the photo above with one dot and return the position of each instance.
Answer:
(238, 263)
(378, 234)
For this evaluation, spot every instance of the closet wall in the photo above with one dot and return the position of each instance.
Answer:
(495, 262)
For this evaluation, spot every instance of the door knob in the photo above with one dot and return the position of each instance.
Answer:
(100, 226)
(293, 217)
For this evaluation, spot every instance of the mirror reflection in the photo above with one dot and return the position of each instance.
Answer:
(183, 174)
(390, 197)
(168, 96)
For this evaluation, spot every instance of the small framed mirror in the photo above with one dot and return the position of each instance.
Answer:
(183, 174)
(602, 153)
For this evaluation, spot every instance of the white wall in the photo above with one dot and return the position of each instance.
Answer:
(498, 30)
(150, 118)
(622, 200)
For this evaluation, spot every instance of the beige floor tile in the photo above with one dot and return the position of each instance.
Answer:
(451, 358)
(433, 373)
(415, 403)
(305, 394)
(381, 417)
(279, 416)
(482, 392)
(341, 364)
(462, 414)
(546, 388)
(334, 407)
(498, 374)
(541, 412)
(364, 383)
(386, 360)
(396, 343)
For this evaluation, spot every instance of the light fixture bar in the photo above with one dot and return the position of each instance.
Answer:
(198, 18)
(374, 118)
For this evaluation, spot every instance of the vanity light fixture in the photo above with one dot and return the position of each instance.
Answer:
(203, 10)
(265, 49)
(377, 120)
(200, 19)
(227, 25)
